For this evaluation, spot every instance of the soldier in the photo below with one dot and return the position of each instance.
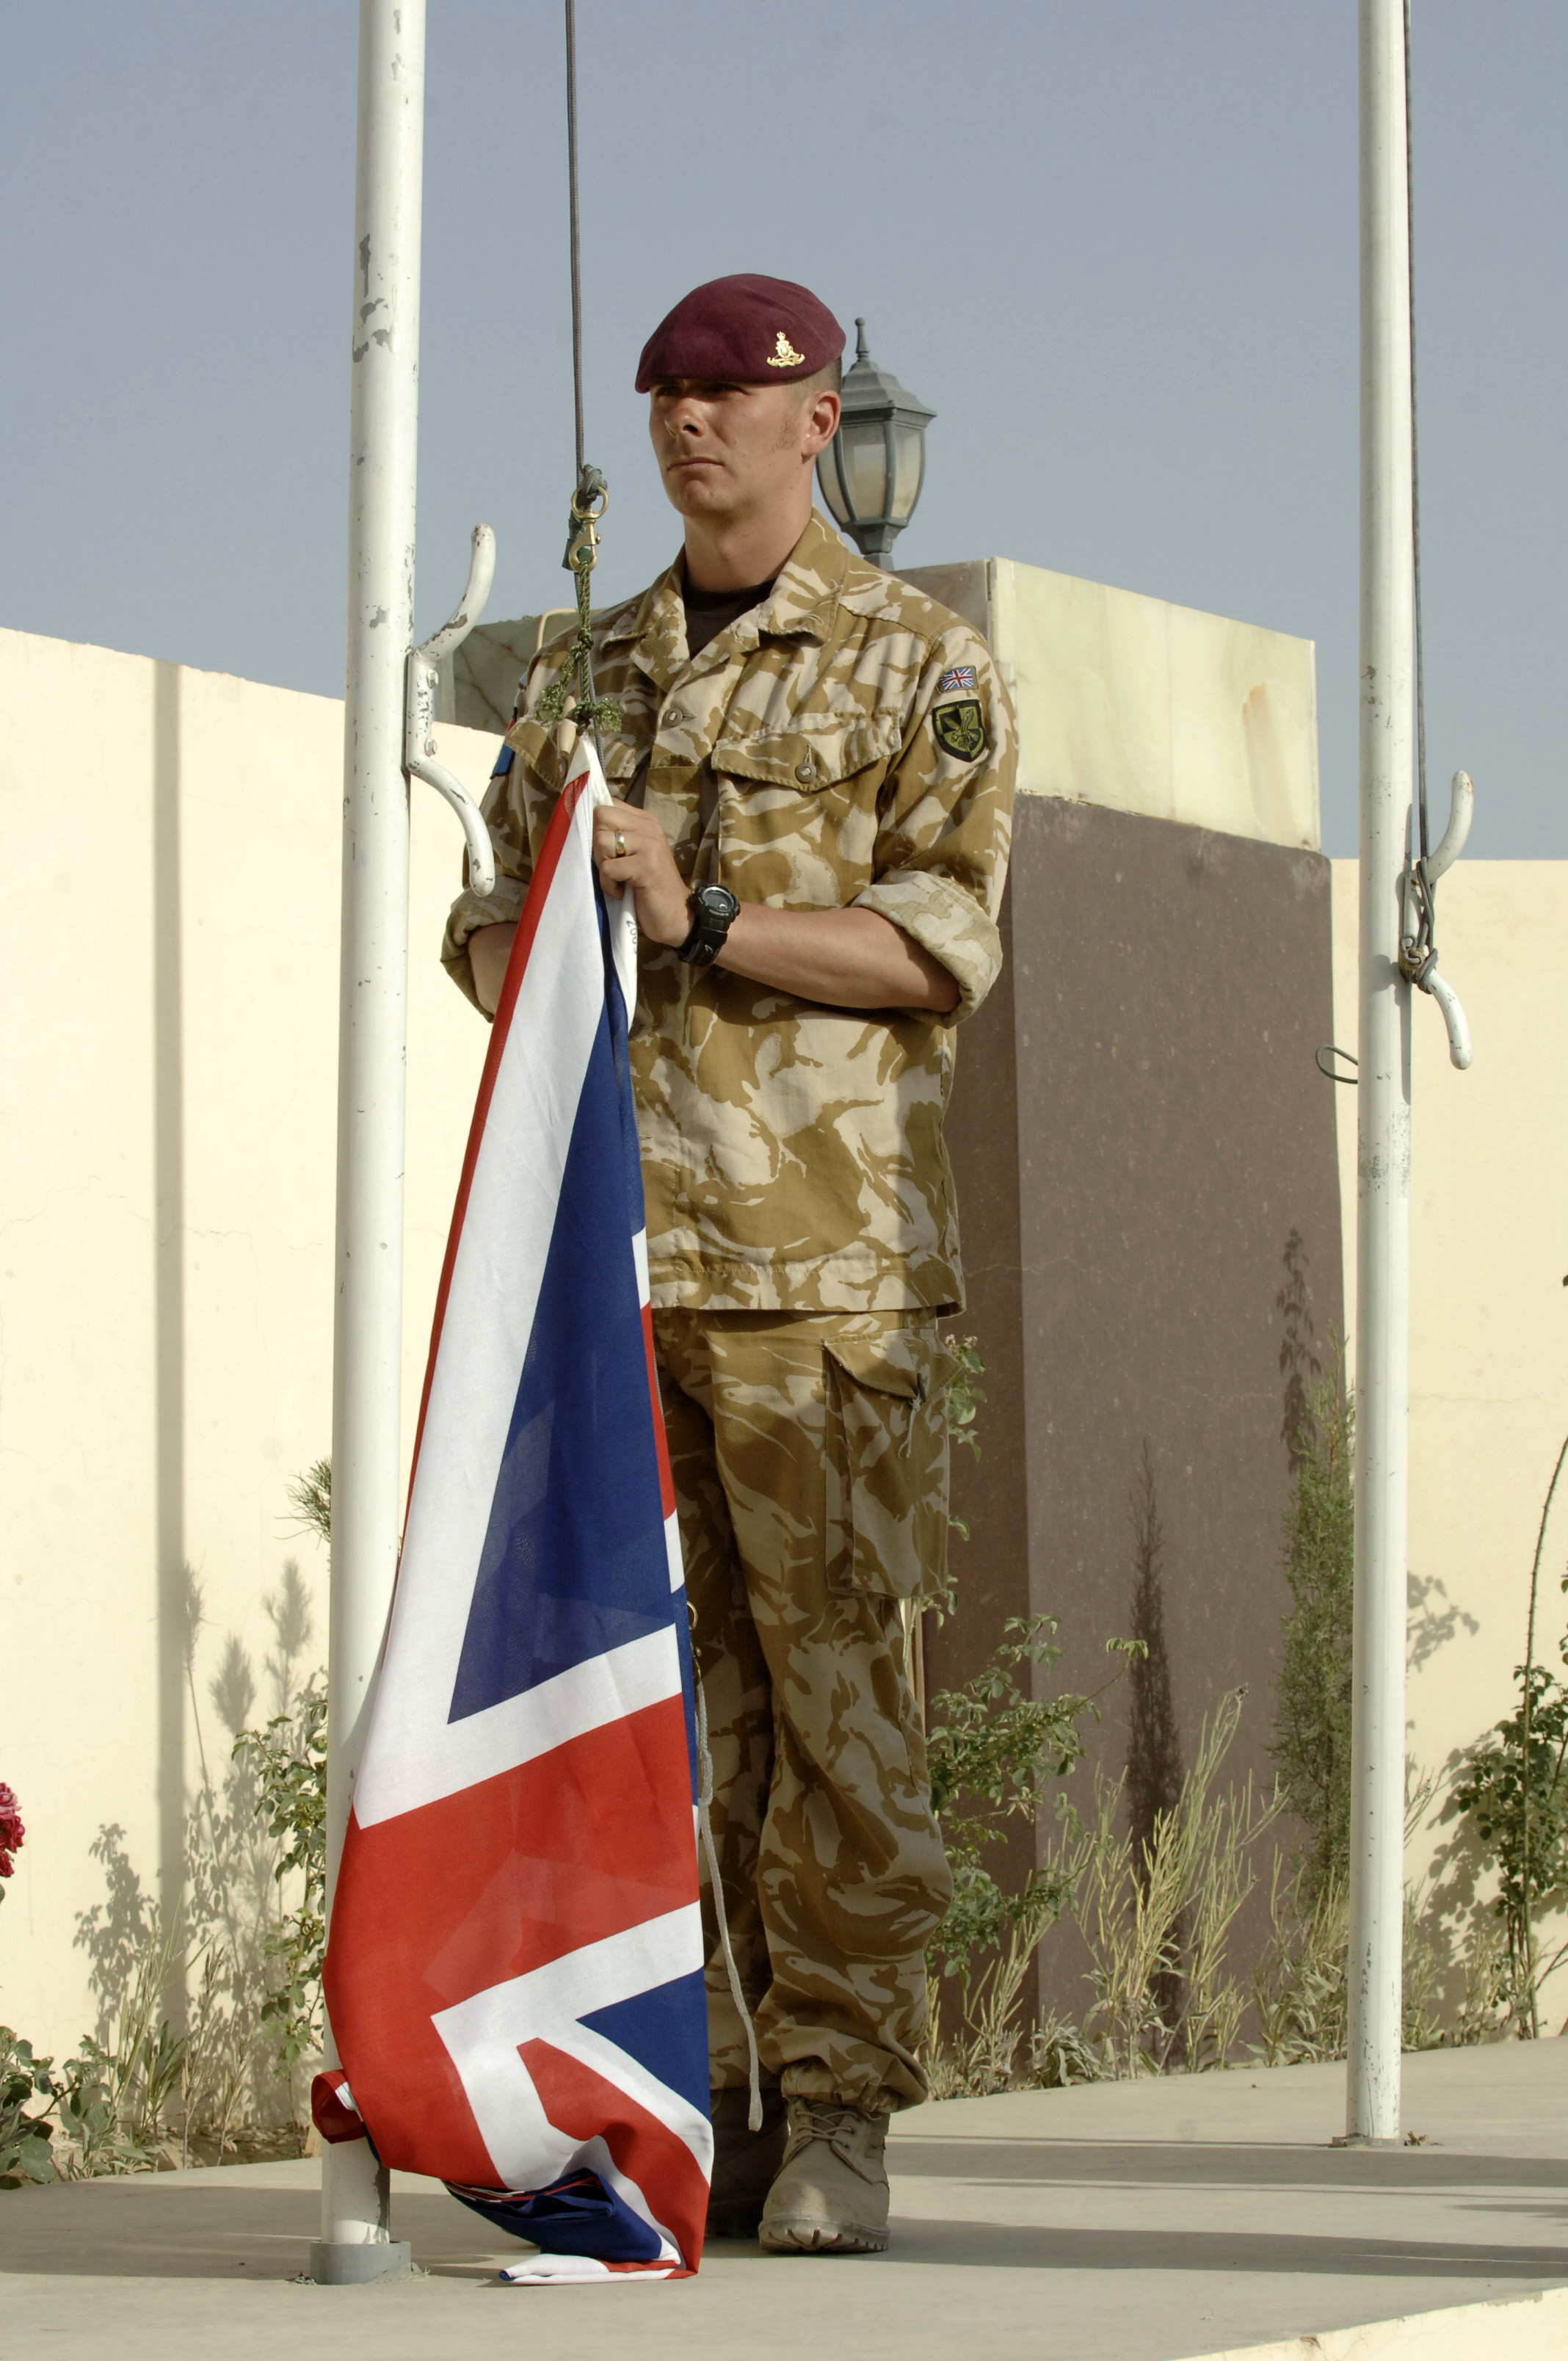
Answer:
(813, 781)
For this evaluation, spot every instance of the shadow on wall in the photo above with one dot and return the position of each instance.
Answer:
(1154, 1741)
(210, 1951)
(1433, 1620)
(1300, 1367)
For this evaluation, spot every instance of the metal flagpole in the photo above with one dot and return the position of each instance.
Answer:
(356, 2241)
(1383, 1231)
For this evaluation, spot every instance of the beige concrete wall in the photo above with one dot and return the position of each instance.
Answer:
(1489, 1318)
(169, 862)
(1123, 700)
(1149, 708)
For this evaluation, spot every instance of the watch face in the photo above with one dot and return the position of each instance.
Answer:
(717, 902)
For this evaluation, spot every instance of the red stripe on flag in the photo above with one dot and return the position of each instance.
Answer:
(582, 2103)
(661, 1441)
(446, 1901)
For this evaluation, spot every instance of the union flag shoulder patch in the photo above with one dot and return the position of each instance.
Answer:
(957, 679)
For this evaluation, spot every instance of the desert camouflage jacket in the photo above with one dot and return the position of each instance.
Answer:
(848, 742)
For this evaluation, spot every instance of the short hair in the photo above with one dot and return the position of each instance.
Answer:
(829, 379)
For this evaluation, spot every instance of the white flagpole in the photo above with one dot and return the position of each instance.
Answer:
(1382, 1231)
(356, 2241)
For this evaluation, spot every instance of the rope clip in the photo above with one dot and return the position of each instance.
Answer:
(589, 503)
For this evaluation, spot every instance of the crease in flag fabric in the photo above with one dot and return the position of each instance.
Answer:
(514, 1974)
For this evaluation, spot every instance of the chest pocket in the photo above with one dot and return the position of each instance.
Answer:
(818, 753)
(625, 768)
(540, 757)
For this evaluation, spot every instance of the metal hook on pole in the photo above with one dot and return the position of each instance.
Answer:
(418, 710)
(1461, 812)
(1418, 952)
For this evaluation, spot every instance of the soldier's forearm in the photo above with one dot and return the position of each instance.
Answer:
(848, 959)
(490, 948)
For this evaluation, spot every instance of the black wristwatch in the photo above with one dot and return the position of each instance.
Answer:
(713, 909)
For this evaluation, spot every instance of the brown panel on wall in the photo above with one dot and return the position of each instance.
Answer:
(1153, 1273)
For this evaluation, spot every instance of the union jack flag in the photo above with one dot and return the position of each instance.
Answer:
(514, 1976)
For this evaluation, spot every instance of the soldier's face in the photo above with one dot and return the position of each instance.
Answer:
(735, 450)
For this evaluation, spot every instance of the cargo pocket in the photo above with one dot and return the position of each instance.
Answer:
(887, 1464)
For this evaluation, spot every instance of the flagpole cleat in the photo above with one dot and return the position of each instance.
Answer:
(1418, 928)
(419, 709)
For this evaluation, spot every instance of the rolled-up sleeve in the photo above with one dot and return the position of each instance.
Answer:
(946, 920)
(947, 817)
(468, 914)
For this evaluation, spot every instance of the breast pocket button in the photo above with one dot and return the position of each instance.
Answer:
(805, 771)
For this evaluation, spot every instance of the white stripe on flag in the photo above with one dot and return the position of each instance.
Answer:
(414, 1754)
(586, 1697)
(484, 2036)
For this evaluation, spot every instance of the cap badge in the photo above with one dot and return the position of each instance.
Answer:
(783, 355)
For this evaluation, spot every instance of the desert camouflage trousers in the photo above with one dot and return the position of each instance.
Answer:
(810, 1459)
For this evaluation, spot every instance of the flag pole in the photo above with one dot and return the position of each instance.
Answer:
(356, 2242)
(1383, 1230)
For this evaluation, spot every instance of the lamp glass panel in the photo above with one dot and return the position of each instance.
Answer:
(864, 446)
(908, 443)
(828, 479)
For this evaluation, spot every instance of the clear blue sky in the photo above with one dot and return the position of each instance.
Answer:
(1114, 244)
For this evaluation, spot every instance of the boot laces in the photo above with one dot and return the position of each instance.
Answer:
(840, 2127)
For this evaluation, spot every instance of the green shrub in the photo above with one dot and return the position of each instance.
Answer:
(1514, 1795)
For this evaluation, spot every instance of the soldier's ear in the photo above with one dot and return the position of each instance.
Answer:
(820, 421)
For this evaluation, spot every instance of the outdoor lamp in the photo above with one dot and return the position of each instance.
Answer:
(872, 472)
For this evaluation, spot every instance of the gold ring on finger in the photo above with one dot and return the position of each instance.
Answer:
(619, 845)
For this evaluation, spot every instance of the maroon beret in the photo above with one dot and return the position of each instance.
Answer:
(748, 330)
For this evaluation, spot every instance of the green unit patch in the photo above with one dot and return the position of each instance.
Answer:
(959, 728)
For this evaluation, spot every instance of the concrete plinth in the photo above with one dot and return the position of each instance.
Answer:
(333, 2263)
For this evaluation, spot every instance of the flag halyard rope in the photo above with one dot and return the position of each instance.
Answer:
(561, 700)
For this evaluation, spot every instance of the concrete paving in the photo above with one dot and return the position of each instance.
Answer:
(1129, 2222)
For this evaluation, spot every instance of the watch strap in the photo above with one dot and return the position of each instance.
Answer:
(706, 938)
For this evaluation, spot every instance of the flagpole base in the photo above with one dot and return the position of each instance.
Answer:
(335, 2263)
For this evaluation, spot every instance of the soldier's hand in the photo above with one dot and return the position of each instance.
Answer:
(630, 849)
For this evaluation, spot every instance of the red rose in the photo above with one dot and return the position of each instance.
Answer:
(11, 1829)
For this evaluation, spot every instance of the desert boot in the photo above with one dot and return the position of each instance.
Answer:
(830, 2197)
